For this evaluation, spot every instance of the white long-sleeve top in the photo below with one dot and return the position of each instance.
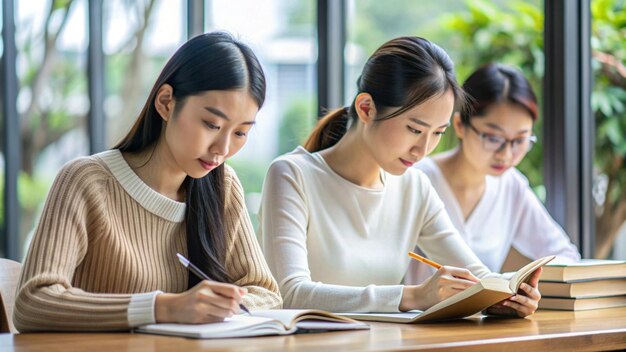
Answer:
(337, 246)
(507, 215)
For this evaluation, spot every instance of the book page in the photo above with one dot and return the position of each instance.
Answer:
(589, 262)
(481, 295)
(262, 322)
(290, 317)
(235, 326)
(522, 274)
(398, 317)
(320, 326)
(287, 317)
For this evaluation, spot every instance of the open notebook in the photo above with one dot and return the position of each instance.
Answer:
(480, 296)
(262, 322)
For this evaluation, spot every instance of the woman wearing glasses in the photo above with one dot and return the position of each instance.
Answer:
(487, 198)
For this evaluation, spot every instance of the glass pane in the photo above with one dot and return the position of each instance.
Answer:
(473, 33)
(3, 253)
(139, 37)
(52, 101)
(608, 102)
(282, 33)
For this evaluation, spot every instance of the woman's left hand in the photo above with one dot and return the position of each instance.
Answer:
(524, 303)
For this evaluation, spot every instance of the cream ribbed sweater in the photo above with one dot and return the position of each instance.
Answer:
(106, 245)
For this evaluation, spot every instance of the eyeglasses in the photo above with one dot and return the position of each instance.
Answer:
(495, 143)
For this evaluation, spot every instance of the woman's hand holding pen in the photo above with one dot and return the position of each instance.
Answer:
(446, 282)
(207, 302)
(524, 303)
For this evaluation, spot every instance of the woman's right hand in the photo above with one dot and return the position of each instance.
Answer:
(207, 302)
(445, 282)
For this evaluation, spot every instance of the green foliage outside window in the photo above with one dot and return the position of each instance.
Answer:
(608, 101)
(295, 125)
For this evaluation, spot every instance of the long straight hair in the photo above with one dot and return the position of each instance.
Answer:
(495, 83)
(211, 61)
(404, 72)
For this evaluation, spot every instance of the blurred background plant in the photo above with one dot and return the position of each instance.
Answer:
(608, 43)
(53, 101)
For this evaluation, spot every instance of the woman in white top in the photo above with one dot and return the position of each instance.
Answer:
(489, 201)
(339, 215)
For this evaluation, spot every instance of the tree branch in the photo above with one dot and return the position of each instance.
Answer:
(609, 223)
(131, 88)
(612, 67)
(49, 55)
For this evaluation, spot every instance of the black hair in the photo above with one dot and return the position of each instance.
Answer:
(404, 72)
(210, 61)
(495, 83)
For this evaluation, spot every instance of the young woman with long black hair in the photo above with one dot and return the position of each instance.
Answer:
(104, 253)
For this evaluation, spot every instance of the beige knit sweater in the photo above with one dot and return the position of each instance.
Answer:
(106, 245)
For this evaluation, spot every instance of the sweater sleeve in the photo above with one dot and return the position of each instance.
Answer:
(46, 299)
(244, 260)
(284, 221)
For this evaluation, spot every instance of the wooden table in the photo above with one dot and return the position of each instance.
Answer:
(597, 330)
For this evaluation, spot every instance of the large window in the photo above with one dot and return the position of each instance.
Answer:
(139, 37)
(283, 35)
(52, 101)
(608, 45)
(52, 38)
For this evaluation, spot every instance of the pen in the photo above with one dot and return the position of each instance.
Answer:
(199, 273)
(424, 260)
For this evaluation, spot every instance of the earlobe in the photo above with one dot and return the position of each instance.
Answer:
(365, 108)
(164, 101)
(459, 127)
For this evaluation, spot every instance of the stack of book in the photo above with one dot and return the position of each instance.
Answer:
(584, 285)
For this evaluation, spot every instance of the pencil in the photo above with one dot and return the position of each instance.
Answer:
(424, 260)
(199, 273)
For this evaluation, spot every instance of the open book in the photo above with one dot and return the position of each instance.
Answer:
(480, 296)
(262, 322)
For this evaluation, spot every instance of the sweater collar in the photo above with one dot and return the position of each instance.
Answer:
(150, 199)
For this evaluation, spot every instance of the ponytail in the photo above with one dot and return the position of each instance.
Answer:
(328, 131)
(401, 74)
